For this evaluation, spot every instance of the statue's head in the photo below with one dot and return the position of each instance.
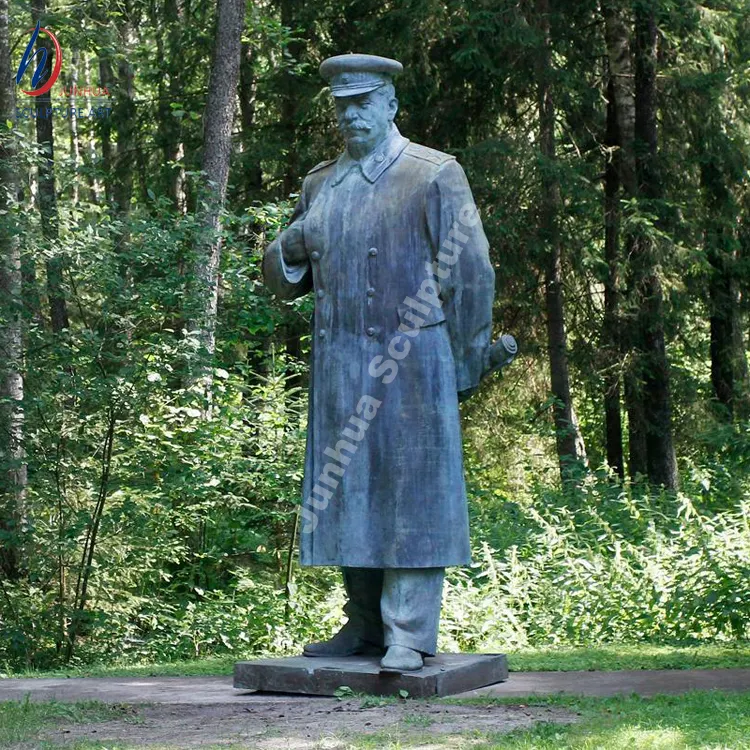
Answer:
(364, 96)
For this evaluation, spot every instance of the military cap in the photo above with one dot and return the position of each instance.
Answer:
(352, 74)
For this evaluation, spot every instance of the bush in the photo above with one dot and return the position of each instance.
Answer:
(607, 563)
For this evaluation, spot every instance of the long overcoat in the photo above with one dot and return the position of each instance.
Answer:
(398, 261)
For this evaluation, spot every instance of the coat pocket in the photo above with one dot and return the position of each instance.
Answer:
(410, 318)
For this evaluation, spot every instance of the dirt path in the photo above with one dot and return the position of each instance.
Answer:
(207, 690)
(303, 724)
(192, 712)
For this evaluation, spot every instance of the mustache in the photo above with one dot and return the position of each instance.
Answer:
(356, 126)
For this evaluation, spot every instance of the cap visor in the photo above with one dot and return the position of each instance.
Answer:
(341, 91)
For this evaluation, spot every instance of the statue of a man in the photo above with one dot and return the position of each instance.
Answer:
(388, 238)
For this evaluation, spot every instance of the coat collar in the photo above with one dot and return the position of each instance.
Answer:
(375, 163)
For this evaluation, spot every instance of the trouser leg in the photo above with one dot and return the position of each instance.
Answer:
(363, 589)
(410, 607)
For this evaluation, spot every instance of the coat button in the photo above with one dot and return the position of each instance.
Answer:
(371, 292)
(322, 333)
(320, 294)
(379, 158)
(373, 251)
(315, 255)
(370, 331)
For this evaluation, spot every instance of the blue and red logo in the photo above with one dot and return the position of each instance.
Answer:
(28, 56)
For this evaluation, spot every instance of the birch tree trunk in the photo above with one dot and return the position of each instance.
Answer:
(12, 457)
(75, 141)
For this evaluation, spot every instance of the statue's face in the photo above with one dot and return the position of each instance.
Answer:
(364, 120)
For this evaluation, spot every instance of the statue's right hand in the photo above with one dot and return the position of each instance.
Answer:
(293, 244)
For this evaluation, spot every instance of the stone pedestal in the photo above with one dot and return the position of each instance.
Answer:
(444, 674)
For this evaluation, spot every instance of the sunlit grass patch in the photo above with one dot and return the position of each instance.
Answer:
(630, 656)
(705, 720)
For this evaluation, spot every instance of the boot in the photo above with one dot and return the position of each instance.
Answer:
(347, 642)
(401, 659)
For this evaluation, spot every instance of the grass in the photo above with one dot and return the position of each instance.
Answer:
(701, 720)
(630, 656)
(552, 659)
(706, 720)
(23, 720)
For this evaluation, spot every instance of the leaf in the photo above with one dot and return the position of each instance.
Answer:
(403, 694)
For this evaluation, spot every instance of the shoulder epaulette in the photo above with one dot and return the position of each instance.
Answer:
(428, 154)
(322, 165)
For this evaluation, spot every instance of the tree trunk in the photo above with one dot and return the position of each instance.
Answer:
(570, 450)
(218, 120)
(617, 35)
(94, 184)
(107, 78)
(654, 367)
(611, 346)
(728, 362)
(170, 91)
(252, 171)
(47, 192)
(290, 103)
(75, 143)
(124, 116)
(12, 457)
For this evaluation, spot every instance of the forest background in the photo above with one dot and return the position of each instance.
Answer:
(153, 394)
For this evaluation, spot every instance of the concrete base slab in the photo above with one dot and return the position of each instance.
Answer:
(444, 674)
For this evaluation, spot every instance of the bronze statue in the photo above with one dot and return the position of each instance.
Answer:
(388, 238)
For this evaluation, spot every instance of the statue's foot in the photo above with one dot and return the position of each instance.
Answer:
(401, 659)
(345, 643)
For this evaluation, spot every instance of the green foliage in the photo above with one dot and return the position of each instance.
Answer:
(123, 464)
(604, 564)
